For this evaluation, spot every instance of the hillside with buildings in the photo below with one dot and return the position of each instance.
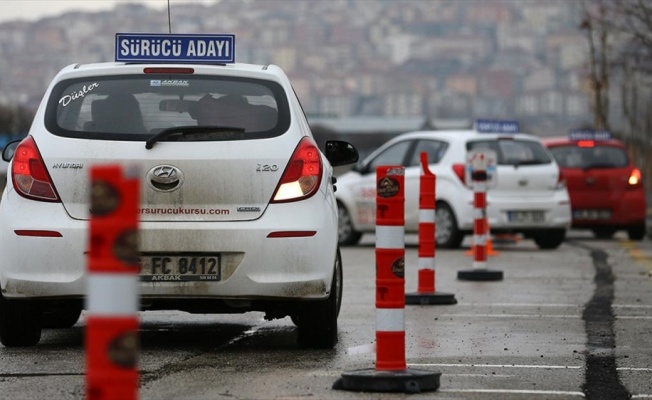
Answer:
(433, 59)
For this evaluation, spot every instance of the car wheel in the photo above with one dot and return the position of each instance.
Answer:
(317, 322)
(346, 234)
(448, 235)
(62, 317)
(20, 323)
(549, 239)
(636, 232)
(604, 232)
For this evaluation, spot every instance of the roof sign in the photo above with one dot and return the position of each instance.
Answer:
(139, 47)
(496, 126)
(589, 134)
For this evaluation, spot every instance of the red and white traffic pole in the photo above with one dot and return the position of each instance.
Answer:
(426, 293)
(390, 269)
(479, 179)
(391, 373)
(112, 299)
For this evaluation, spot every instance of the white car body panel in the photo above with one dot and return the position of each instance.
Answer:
(254, 265)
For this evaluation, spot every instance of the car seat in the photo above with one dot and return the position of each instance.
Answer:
(118, 113)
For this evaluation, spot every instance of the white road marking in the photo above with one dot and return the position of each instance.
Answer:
(500, 315)
(498, 366)
(502, 391)
(521, 305)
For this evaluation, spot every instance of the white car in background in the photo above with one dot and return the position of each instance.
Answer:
(528, 196)
(231, 178)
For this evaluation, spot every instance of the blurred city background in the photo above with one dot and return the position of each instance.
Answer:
(366, 70)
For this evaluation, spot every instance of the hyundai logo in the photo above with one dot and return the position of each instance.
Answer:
(165, 178)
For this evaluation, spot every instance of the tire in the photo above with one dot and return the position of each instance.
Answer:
(20, 323)
(346, 234)
(637, 232)
(317, 321)
(549, 239)
(62, 317)
(604, 232)
(448, 234)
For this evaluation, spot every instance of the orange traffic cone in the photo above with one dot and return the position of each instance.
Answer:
(490, 246)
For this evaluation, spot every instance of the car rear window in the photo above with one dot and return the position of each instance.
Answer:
(598, 156)
(136, 107)
(513, 151)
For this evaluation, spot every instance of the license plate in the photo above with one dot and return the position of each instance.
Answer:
(591, 214)
(183, 268)
(522, 217)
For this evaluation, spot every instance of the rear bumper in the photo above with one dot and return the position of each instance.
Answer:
(555, 208)
(626, 209)
(254, 266)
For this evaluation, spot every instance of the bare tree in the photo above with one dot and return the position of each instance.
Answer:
(597, 33)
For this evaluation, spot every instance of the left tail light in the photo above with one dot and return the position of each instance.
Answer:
(29, 175)
(302, 175)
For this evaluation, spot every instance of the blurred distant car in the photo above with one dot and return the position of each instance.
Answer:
(605, 188)
(529, 196)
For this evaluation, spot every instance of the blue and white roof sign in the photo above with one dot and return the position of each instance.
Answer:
(589, 134)
(496, 126)
(148, 47)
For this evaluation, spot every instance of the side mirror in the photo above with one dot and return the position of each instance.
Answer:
(10, 148)
(339, 153)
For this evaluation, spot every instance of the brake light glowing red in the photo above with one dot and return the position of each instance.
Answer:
(302, 175)
(460, 171)
(586, 143)
(169, 70)
(29, 175)
(635, 178)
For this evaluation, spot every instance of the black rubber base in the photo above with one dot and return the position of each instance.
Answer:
(405, 381)
(480, 275)
(430, 298)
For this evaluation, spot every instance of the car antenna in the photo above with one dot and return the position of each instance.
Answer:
(169, 19)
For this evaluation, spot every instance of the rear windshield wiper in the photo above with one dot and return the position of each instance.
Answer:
(200, 132)
(517, 164)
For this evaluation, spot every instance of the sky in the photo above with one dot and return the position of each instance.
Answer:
(31, 10)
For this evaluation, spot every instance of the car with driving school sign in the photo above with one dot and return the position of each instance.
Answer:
(213, 49)
(227, 220)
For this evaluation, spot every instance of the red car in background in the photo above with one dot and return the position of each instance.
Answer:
(605, 188)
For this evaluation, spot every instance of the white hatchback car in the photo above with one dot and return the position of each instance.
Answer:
(528, 196)
(230, 171)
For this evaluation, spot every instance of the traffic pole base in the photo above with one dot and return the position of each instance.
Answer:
(372, 380)
(430, 298)
(480, 275)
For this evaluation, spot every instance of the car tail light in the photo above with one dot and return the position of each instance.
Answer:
(635, 178)
(168, 70)
(586, 143)
(302, 175)
(561, 181)
(460, 171)
(28, 174)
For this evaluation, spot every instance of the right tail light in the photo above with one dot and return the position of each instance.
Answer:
(635, 178)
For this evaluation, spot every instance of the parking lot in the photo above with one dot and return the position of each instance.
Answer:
(555, 327)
